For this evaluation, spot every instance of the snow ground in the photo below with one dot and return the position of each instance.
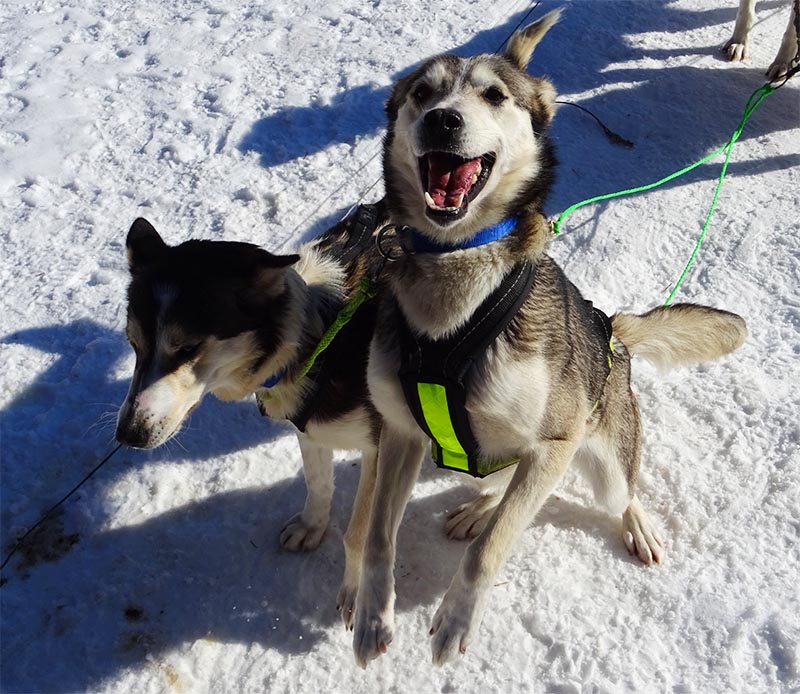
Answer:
(261, 121)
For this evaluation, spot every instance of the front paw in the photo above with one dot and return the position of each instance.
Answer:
(735, 49)
(372, 635)
(299, 535)
(455, 624)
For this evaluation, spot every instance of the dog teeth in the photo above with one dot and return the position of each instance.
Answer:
(454, 208)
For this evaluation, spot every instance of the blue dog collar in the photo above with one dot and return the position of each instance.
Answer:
(422, 244)
(273, 380)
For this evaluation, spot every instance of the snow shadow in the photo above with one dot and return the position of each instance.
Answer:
(209, 571)
(212, 571)
(298, 131)
(586, 50)
(63, 422)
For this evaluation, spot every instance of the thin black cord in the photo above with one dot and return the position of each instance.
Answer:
(21, 540)
(616, 138)
(519, 24)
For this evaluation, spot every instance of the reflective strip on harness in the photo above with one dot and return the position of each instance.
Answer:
(433, 400)
(434, 375)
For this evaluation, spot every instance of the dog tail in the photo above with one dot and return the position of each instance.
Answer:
(680, 334)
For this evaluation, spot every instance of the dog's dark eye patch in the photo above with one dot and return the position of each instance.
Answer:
(494, 95)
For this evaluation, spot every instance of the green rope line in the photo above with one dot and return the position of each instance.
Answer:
(365, 292)
(752, 103)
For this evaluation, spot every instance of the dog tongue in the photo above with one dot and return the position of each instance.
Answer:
(449, 177)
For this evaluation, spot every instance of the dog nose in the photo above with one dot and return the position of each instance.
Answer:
(133, 435)
(444, 120)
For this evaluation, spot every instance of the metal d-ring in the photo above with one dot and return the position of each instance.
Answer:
(392, 234)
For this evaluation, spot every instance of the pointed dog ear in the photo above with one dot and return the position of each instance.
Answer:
(268, 281)
(271, 275)
(143, 244)
(520, 47)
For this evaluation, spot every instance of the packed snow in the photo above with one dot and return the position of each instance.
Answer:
(262, 122)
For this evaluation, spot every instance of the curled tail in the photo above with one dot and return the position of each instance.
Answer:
(680, 334)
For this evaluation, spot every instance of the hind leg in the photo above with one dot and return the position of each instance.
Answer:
(610, 458)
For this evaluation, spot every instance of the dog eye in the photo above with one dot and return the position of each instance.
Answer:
(494, 96)
(422, 92)
(188, 350)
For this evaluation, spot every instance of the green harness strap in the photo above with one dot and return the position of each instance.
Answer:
(366, 291)
(752, 104)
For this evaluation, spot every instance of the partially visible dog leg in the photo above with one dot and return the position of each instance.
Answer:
(736, 47)
(469, 519)
(354, 538)
(305, 530)
(786, 53)
(461, 610)
(607, 470)
(612, 465)
(399, 459)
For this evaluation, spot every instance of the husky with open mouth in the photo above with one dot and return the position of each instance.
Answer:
(232, 319)
(484, 349)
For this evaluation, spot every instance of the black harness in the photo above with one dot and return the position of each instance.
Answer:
(434, 374)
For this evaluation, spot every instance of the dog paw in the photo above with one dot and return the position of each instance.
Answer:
(735, 49)
(346, 604)
(372, 635)
(454, 625)
(641, 536)
(469, 520)
(298, 535)
(777, 70)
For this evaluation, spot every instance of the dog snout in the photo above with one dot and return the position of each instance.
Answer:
(443, 121)
(132, 434)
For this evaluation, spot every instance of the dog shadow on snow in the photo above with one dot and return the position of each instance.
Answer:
(100, 600)
(212, 572)
(698, 108)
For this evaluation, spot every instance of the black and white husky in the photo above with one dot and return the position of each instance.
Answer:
(466, 152)
(232, 319)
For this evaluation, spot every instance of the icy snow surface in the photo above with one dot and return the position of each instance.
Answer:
(262, 121)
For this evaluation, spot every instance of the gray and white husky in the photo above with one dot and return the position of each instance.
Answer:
(224, 318)
(466, 149)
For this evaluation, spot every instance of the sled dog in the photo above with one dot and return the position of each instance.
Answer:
(467, 165)
(232, 319)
